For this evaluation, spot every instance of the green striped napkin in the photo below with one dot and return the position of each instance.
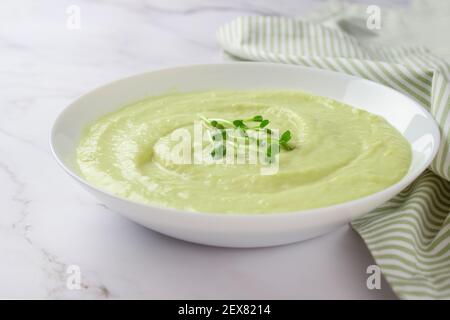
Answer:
(409, 236)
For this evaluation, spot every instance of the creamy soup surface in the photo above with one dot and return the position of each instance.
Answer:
(340, 153)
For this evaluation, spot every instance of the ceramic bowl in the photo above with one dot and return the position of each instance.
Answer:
(241, 230)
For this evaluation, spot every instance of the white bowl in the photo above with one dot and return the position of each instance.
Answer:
(240, 230)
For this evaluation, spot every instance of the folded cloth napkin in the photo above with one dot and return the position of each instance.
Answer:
(409, 237)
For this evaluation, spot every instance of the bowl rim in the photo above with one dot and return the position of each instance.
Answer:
(315, 212)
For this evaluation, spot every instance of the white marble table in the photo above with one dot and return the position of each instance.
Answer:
(47, 223)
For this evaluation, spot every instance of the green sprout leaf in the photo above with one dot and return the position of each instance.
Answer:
(239, 124)
(219, 126)
(286, 146)
(286, 136)
(264, 123)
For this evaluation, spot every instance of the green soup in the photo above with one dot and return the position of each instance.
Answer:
(341, 153)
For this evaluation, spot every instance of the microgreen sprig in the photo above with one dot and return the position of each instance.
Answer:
(255, 123)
